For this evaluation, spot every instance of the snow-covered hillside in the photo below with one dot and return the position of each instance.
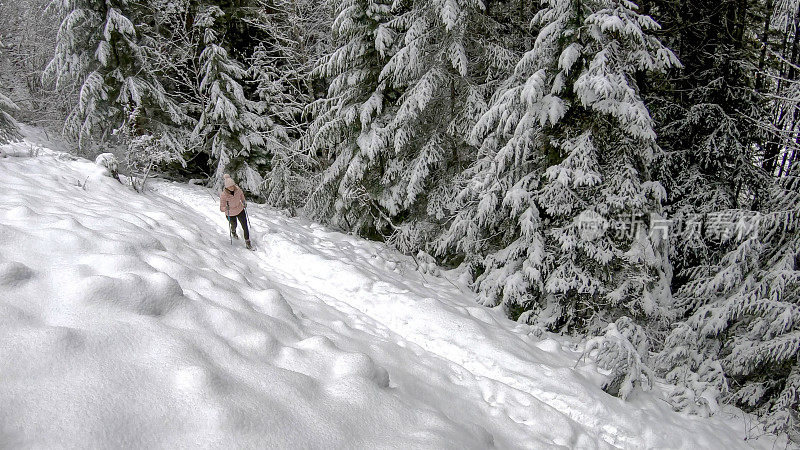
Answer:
(129, 320)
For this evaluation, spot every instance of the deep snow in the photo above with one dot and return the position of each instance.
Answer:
(128, 320)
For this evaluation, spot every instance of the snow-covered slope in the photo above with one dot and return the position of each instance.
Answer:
(129, 320)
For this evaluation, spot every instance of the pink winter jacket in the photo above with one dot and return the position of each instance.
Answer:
(235, 201)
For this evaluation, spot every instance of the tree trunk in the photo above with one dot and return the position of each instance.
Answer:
(789, 72)
(762, 59)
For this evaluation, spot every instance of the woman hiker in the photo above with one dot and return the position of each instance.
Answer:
(232, 203)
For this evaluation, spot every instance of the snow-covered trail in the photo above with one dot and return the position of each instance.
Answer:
(527, 381)
(128, 320)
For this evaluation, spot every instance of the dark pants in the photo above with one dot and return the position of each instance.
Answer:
(242, 216)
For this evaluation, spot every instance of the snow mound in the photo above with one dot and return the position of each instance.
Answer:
(152, 295)
(129, 320)
(13, 274)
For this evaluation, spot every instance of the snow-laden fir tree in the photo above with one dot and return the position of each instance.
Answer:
(401, 101)
(353, 68)
(230, 125)
(565, 154)
(105, 47)
(742, 335)
(623, 350)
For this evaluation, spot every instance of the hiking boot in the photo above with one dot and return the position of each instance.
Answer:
(247, 244)
(234, 235)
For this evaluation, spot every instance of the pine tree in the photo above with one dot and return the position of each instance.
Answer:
(230, 125)
(565, 150)
(104, 46)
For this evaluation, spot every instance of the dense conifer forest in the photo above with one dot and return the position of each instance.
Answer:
(624, 171)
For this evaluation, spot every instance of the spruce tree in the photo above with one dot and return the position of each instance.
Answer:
(710, 117)
(565, 154)
(230, 125)
(105, 47)
(365, 42)
(742, 335)
(724, 122)
(405, 100)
